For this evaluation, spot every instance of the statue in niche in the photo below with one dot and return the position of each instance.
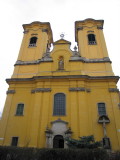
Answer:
(61, 63)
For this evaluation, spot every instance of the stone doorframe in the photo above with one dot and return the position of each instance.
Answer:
(59, 127)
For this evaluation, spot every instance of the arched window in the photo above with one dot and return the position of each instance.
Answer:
(20, 109)
(33, 41)
(101, 109)
(59, 104)
(91, 39)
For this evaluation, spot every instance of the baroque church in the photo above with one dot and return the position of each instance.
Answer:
(61, 93)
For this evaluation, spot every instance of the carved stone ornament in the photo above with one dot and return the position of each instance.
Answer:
(88, 90)
(80, 89)
(90, 31)
(10, 92)
(99, 27)
(45, 30)
(41, 90)
(80, 28)
(77, 89)
(46, 55)
(34, 34)
(75, 55)
(113, 90)
(59, 120)
(26, 31)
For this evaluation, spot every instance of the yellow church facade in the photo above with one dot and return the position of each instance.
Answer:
(61, 93)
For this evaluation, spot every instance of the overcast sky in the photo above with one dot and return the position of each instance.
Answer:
(61, 14)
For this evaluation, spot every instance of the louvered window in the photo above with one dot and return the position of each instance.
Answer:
(91, 39)
(33, 42)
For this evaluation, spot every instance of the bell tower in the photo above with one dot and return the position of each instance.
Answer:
(36, 41)
(90, 38)
(37, 37)
(92, 48)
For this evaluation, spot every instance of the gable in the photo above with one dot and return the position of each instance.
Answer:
(62, 41)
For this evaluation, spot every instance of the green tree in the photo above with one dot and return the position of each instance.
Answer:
(83, 142)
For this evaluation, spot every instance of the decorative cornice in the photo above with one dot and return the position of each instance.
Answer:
(80, 28)
(59, 120)
(88, 90)
(113, 90)
(25, 31)
(90, 19)
(45, 30)
(90, 31)
(76, 54)
(77, 89)
(41, 90)
(82, 77)
(44, 59)
(34, 34)
(99, 27)
(85, 60)
(75, 57)
(80, 89)
(10, 92)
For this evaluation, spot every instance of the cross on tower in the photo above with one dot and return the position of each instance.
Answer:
(62, 36)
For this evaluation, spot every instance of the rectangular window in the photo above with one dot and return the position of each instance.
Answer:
(20, 108)
(101, 109)
(59, 104)
(14, 141)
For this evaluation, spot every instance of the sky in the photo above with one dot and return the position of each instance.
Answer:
(62, 15)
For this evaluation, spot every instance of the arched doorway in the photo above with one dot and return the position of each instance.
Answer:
(58, 141)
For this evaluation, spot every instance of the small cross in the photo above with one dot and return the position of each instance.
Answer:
(62, 36)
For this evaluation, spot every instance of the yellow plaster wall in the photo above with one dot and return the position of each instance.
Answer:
(81, 112)
(81, 106)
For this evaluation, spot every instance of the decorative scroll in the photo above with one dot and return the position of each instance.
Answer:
(10, 92)
(77, 89)
(41, 90)
(113, 90)
(80, 89)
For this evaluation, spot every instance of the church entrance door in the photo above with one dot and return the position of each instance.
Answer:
(58, 141)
